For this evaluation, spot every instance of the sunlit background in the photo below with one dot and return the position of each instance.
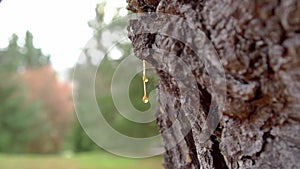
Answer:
(40, 42)
(60, 27)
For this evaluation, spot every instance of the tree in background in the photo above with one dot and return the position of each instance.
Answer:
(33, 57)
(105, 74)
(19, 120)
(55, 100)
(16, 58)
(35, 108)
(10, 58)
(103, 82)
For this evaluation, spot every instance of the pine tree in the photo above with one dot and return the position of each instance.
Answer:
(33, 57)
(20, 121)
(10, 58)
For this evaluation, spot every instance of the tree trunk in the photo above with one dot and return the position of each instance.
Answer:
(258, 42)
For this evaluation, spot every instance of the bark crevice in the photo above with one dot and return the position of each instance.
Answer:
(218, 158)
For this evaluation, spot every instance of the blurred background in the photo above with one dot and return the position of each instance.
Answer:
(40, 42)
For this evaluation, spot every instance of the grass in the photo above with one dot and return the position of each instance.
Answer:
(94, 160)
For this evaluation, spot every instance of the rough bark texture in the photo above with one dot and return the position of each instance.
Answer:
(258, 42)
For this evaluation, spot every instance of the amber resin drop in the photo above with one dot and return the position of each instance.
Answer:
(145, 99)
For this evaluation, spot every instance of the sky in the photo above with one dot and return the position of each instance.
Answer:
(59, 27)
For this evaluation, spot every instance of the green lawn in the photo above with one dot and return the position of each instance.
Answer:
(95, 160)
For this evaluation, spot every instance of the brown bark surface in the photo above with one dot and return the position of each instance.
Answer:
(258, 42)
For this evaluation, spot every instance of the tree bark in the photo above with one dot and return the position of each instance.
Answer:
(258, 42)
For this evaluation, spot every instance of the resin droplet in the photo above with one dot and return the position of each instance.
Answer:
(145, 79)
(145, 99)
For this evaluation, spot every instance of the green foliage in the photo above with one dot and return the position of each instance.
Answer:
(10, 58)
(108, 109)
(81, 142)
(103, 84)
(15, 57)
(33, 57)
(18, 120)
(21, 122)
(104, 77)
